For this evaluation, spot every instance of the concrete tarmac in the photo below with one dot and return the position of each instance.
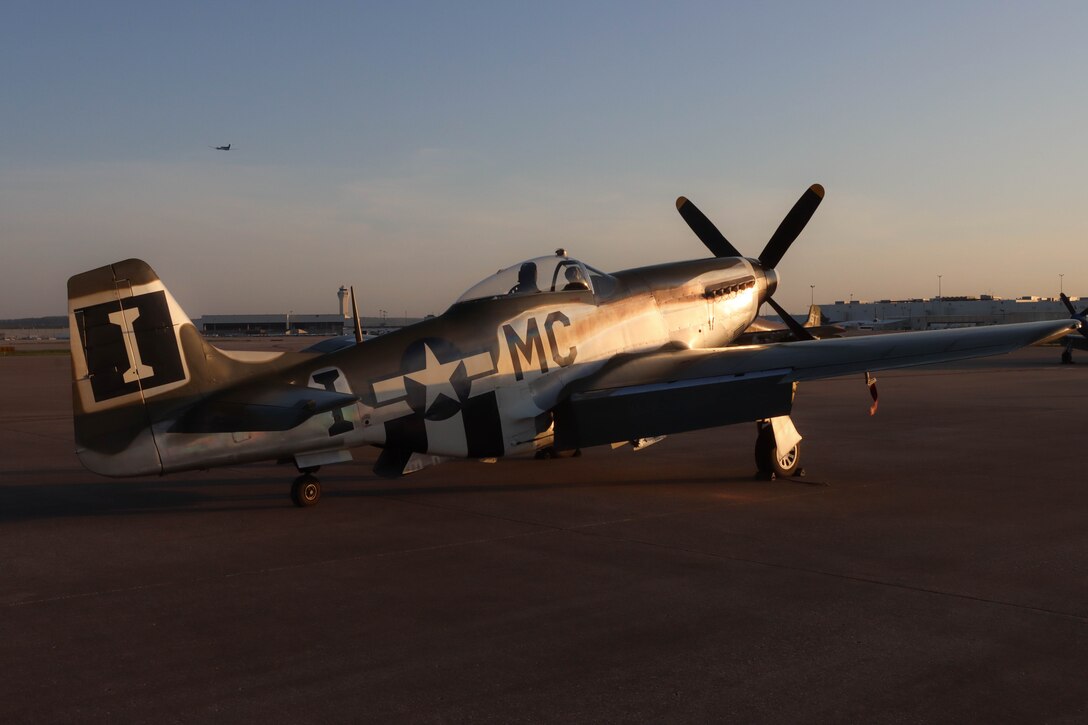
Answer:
(931, 567)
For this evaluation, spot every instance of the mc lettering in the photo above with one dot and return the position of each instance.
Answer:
(524, 351)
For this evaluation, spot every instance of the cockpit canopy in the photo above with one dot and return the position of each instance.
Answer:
(543, 274)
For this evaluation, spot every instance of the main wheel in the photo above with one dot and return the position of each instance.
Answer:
(306, 491)
(768, 458)
(1067, 357)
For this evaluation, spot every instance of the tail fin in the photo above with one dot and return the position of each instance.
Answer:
(126, 340)
(139, 364)
(815, 316)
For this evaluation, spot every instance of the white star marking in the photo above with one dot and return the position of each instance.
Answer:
(435, 376)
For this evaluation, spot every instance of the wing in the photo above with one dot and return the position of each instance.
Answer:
(641, 396)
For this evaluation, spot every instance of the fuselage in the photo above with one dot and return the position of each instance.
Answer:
(481, 379)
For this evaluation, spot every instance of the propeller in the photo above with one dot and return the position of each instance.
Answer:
(796, 327)
(708, 234)
(780, 241)
(787, 232)
(1082, 316)
(791, 226)
(355, 317)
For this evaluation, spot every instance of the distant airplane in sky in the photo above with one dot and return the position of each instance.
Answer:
(223, 148)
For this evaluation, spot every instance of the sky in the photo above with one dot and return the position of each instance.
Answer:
(411, 149)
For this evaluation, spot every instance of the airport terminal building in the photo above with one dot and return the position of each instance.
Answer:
(941, 312)
(318, 325)
(261, 325)
(291, 323)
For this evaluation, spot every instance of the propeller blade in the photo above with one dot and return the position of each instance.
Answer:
(791, 226)
(708, 234)
(355, 317)
(795, 327)
(1073, 313)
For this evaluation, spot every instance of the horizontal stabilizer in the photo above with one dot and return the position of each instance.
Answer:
(260, 409)
(332, 344)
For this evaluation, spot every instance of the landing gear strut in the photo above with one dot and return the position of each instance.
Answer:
(772, 462)
(306, 490)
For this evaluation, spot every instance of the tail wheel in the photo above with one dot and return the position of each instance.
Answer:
(768, 458)
(306, 491)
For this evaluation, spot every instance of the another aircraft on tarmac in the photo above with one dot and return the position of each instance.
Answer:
(763, 330)
(548, 354)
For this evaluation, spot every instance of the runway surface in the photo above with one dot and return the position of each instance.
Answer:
(932, 566)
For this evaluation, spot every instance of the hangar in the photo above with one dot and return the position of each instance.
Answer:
(255, 325)
(940, 312)
(321, 325)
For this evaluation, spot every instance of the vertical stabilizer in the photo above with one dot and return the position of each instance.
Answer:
(126, 349)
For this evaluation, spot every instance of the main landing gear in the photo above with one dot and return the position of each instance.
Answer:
(306, 490)
(771, 460)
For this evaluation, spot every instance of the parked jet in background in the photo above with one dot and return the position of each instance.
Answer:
(763, 330)
(549, 353)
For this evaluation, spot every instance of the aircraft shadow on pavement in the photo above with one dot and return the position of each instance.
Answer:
(45, 500)
(112, 498)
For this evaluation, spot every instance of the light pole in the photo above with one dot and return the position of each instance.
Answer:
(939, 285)
(811, 295)
(1061, 284)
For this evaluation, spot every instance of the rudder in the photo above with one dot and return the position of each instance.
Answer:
(126, 348)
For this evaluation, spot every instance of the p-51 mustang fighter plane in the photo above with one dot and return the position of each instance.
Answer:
(549, 354)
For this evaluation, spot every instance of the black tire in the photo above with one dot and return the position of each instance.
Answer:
(306, 491)
(769, 461)
(1067, 357)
